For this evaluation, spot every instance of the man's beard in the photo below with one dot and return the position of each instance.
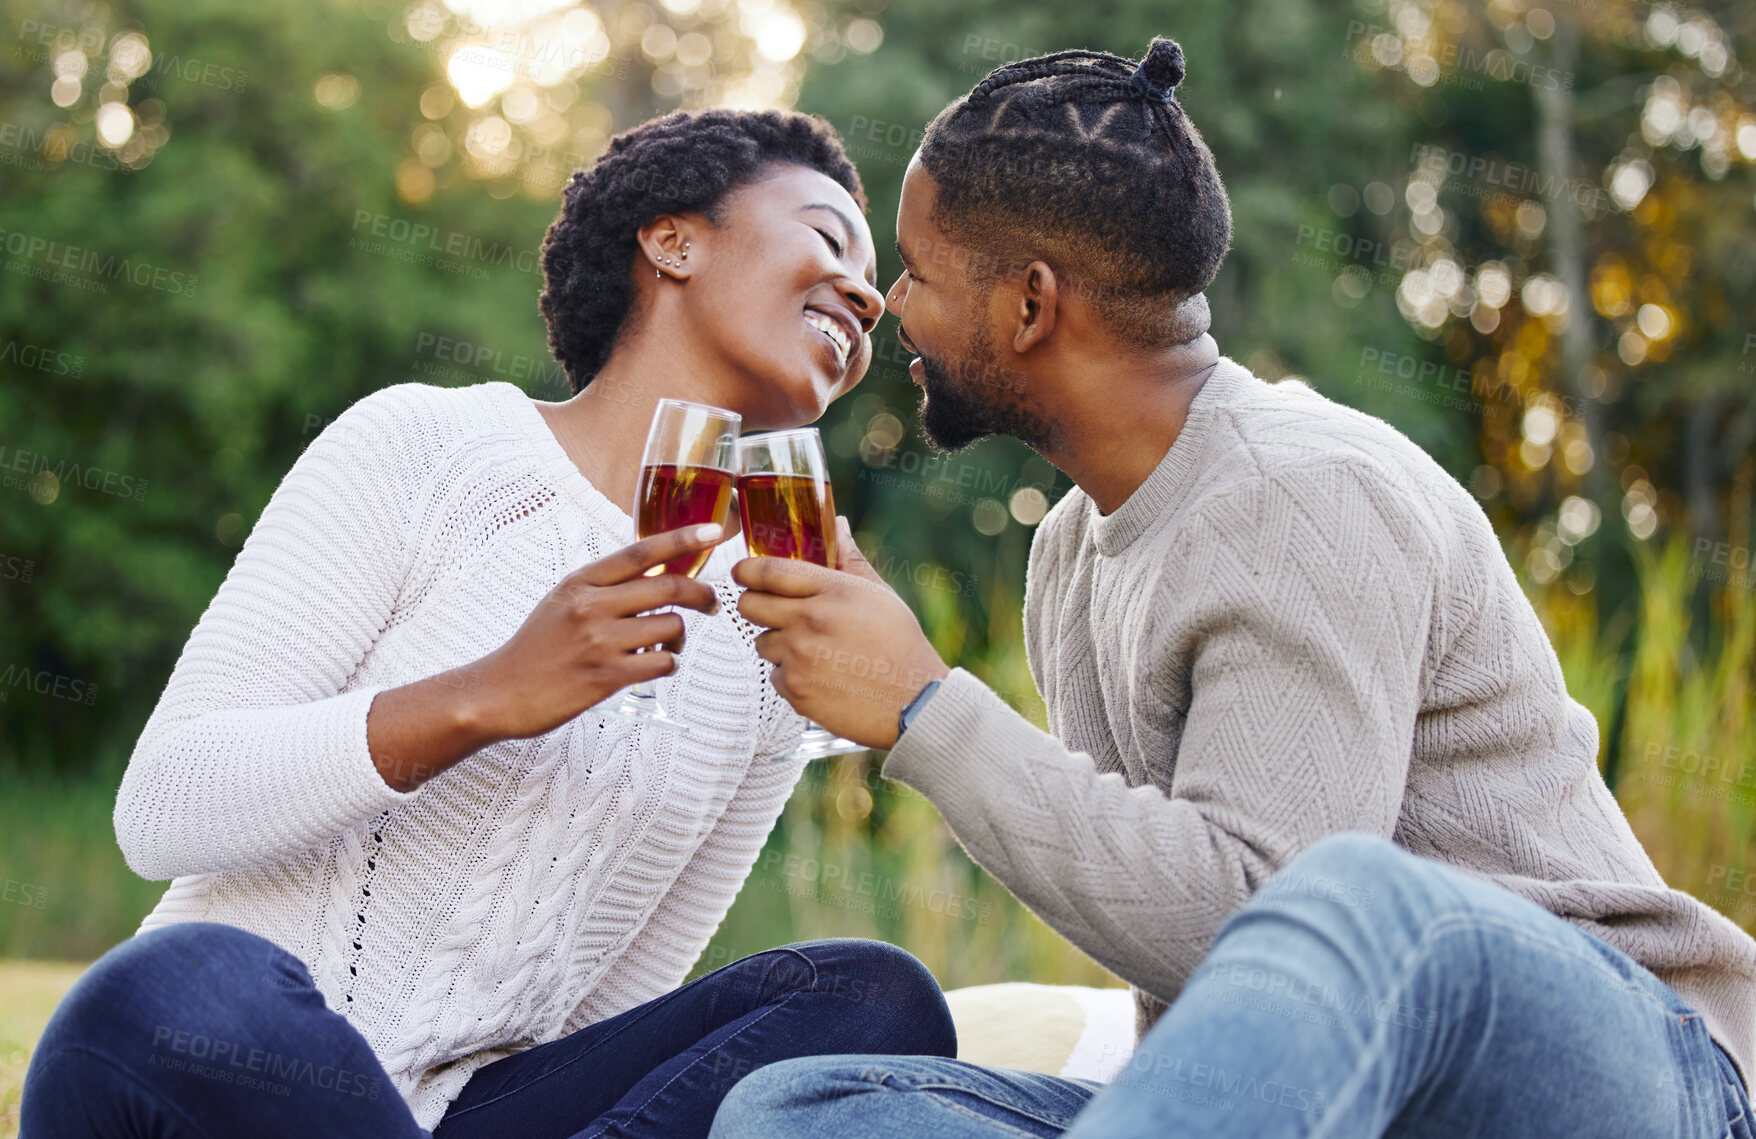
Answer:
(973, 397)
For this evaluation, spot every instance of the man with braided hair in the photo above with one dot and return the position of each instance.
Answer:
(1313, 783)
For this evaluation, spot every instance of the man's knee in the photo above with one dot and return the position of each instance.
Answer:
(755, 1099)
(1346, 850)
(1343, 885)
(774, 1092)
(1358, 889)
(1350, 869)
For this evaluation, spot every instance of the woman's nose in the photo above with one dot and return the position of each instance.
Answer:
(868, 303)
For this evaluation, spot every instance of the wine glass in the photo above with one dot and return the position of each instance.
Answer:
(686, 477)
(788, 511)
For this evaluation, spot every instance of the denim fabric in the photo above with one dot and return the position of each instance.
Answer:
(206, 1030)
(1361, 992)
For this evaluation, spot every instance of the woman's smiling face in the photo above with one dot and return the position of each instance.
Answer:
(781, 289)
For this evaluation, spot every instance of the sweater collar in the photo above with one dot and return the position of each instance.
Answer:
(552, 458)
(1165, 487)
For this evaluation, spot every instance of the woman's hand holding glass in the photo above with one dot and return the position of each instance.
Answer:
(593, 635)
(581, 644)
(686, 476)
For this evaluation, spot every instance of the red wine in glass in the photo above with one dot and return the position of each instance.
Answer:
(788, 516)
(672, 497)
(788, 511)
(686, 477)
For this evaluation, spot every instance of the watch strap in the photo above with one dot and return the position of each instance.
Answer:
(913, 707)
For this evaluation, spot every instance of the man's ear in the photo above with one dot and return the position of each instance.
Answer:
(1038, 301)
(667, 242)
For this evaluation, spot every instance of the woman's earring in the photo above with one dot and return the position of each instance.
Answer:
(675, 263)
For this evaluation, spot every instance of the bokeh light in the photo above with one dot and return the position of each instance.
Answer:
(115, 124)
(864, 36)
(989, 516)
(337, 92)
(1028, 505)
(479, 73)
(542, 66)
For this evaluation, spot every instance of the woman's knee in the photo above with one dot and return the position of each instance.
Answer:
(144, 982)
(896, 994)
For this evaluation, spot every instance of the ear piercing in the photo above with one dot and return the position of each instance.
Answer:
(676, 263)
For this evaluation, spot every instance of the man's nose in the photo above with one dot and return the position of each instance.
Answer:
(897, 296)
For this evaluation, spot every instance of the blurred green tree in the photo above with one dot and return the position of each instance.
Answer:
(229, 274)
(224, 223)
(1575, 222)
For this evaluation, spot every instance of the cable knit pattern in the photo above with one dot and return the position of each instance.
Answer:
(1298, 624)
(534, 888)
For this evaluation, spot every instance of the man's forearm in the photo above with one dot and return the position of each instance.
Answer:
(1097, 860)
(1137, 879)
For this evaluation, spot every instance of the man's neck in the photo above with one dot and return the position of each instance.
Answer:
(1119, 417)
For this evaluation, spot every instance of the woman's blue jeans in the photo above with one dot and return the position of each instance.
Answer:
(206, 1030)
(1361, 992)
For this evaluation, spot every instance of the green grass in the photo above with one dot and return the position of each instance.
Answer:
(65, 892)
(29, 991)
(1688, 756)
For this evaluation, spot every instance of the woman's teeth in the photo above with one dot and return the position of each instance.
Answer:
(831, 329)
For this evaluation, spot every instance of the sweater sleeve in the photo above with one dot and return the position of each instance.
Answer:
(255, 752)
(1302, 645)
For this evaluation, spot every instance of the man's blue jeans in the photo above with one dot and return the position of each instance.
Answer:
(1361, 992)
(206, 1030)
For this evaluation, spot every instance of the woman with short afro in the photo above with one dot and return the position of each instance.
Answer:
(417, 887)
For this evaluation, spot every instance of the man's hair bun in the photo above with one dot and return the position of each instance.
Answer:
(1163, 66)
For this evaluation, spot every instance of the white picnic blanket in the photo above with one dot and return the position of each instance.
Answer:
(1058, 1030)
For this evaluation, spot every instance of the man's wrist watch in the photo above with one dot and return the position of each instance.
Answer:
(913, 707)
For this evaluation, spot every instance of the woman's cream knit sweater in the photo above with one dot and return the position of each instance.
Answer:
(536, 887)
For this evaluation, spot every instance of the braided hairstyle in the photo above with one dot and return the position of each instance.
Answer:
(683, 162)
(1085, 160)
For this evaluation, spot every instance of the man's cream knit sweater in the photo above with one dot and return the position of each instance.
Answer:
(1299, 624)
(538, 886)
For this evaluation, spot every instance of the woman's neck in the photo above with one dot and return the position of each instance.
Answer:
(603, 428)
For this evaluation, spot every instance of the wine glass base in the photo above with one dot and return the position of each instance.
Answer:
(640, 709)
(819, 743)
